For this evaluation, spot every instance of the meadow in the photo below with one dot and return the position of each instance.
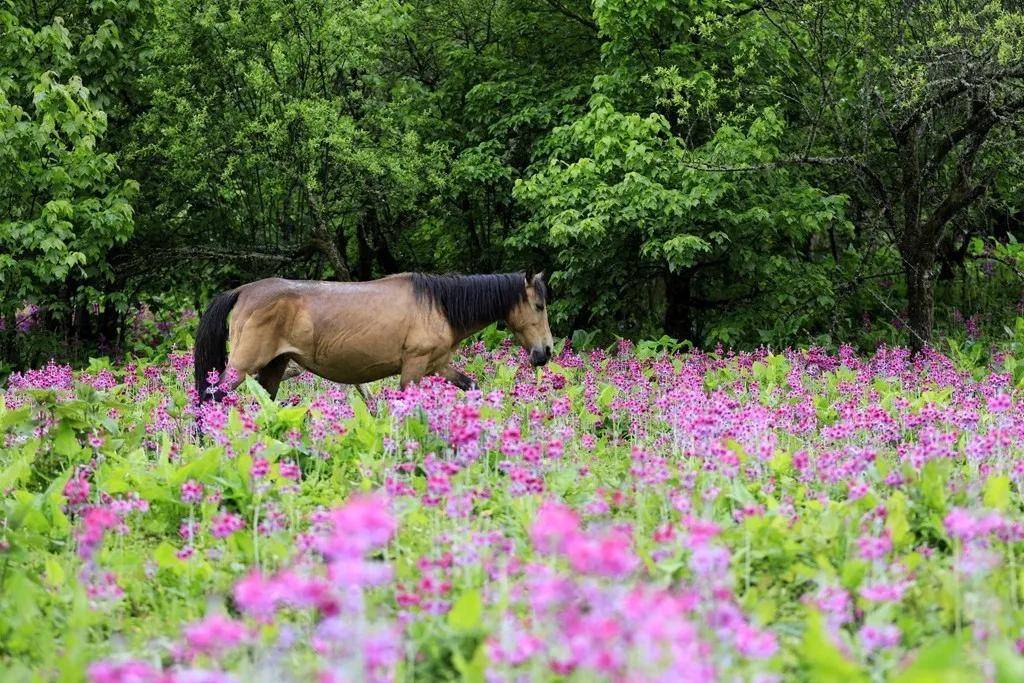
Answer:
(630, 514)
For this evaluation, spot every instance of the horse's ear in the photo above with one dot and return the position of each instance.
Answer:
(538, 278)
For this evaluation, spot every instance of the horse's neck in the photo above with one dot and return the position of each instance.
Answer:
(463, 336)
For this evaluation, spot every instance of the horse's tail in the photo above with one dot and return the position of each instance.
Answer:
(211, 351)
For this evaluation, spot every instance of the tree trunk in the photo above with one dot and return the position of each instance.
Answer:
(917, 268)
(324, 240)
(364, 266)
(678, 321)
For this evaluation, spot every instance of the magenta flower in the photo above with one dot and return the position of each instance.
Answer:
(191, 492)
(884, 592)
(256, 595)
(95, 522)
(224, 524)
(364, 523)
(259, 469)
(77, 489)
(289, 470)
(213, 635)
(710, 561)
(876, 638)
(873, 548)
(554, 527)
(131, 671)
(754, 643)
(960, 524)
(609, 554)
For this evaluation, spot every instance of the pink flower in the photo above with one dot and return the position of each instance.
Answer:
(95, 523)
(700, 532)
(879, 637)
(260, 467)
(77, 489)
(608, 555)
(755, 643)
(214, 635)
(131, 671)
(364, 523)
(710, 561)
(226, 523)
(191, 491)
(255, 594)
(554, 527)
(960, 524)
(884, 592)
(873, 548)
(289, 470)
(999, 403)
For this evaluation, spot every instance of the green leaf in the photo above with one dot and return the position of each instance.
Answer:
(292, 416)
(824, 661)
(896, 521)
(475, 670)
(166, 556)
(54, 572)
(10, 418)
(65, 442)
(200, 468)
(18, 471)
(997, 492)
(943, 661)
(1009, 664)
(467, 612)
(934, 477)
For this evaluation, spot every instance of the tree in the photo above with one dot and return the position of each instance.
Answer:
(922, 105)
(276, 134)
(65, 204)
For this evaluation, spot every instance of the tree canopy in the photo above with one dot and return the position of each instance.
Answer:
(728, 171)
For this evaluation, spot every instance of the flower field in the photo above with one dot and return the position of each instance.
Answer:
(629, 515)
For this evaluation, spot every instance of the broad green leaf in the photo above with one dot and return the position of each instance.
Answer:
(824, 662)
(12, 418)
(54, 572)
(466, 613)
(475, 670)
(997, 492)
(65, 442)
(941, 661)
(896, 521)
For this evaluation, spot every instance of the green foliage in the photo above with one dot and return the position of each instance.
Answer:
(623, 201)
(723, 172)
(66, 204)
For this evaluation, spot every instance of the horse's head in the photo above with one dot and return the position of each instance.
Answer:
(528, 321)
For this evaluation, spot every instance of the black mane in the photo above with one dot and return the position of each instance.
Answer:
(469, 301)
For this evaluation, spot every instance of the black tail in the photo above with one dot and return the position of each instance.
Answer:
(211, 352)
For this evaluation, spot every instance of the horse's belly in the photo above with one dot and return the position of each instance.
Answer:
(353, 366)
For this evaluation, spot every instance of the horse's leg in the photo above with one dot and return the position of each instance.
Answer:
(272, 374)
(413, 369)
(292, 370)
(250, 355)
(364, 393)
(459, 379)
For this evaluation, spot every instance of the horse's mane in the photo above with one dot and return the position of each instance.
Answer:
(468, 301)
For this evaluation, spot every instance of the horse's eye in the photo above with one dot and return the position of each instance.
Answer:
(539, 307)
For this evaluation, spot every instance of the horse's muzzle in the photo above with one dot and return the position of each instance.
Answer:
(539, 357)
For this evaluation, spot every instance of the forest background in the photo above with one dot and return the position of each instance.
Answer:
(716, 171)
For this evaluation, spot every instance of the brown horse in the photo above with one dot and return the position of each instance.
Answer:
(356, 332)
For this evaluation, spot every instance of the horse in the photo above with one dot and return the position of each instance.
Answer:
(407, 324)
